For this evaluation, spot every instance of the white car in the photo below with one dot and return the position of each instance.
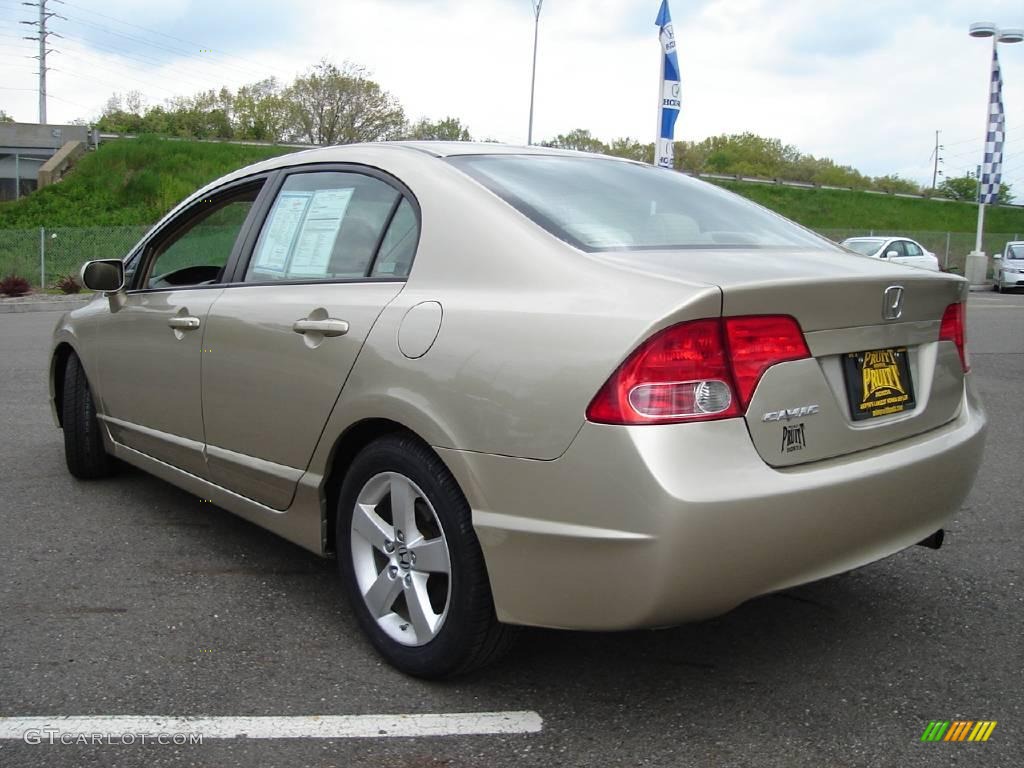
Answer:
(901, 250)
(1009, 269)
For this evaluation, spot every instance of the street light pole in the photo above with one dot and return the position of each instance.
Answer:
(533, 74)
(976, 270)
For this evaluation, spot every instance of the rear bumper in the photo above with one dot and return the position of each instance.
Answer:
(654, 525)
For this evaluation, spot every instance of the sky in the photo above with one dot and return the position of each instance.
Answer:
(865, 82)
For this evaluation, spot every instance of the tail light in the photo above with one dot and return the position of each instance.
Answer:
(953, 329)
(697, 371)
(756, 343)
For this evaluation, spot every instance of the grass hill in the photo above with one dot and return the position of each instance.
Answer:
(838, 209)
(131, 182)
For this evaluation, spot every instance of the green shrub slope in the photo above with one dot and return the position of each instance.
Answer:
(130, 181)
(135, 181)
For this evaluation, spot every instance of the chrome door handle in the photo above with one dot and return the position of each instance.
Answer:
(184, 323)
(328, 327)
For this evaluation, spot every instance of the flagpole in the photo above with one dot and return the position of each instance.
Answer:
(990, 173)
(988, 118)
(661, 105)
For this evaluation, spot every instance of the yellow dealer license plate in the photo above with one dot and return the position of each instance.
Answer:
(878, 383)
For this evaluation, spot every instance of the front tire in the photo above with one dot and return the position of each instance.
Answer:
(411, 563)
(84, 453)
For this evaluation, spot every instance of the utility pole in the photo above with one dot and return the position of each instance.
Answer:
(935, 169)
(42, 33)
(533, 74)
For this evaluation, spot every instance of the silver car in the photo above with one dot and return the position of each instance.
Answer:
(518, 386)
(1009, 267)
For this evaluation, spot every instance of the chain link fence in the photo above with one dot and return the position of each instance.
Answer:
(44, 255)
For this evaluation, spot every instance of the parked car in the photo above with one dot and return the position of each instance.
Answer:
(1009, 268)
(899, 250)
(521, 386)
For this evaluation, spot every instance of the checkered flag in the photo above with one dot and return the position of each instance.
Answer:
(992, 168)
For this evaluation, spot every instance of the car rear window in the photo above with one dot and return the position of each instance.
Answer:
(600, 204)
(866, 247)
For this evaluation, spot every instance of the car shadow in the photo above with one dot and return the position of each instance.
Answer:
(762, 644)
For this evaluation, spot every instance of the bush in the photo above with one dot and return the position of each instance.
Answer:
(67, 284)
(13, 285)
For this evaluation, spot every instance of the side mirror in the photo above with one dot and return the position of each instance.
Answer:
(997, 255)
(890, 255)
(106, 275)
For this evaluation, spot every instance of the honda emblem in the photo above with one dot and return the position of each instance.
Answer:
(892, 302)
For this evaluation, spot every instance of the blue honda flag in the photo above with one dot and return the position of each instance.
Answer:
(992, 165)
(668, 107)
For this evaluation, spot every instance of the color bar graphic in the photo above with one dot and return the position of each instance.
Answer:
(958, 730)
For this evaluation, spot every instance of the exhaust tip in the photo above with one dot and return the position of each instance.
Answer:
(934, 541)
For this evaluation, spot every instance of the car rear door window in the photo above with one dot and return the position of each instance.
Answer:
(912, 248)
(399, 244)
(323, 225)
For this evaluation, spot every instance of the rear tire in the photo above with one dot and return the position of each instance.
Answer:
(433, 618)
(84, 453)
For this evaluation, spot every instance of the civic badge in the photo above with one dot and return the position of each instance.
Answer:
(892, 302)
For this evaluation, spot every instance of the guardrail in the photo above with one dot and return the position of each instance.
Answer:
(813, 185)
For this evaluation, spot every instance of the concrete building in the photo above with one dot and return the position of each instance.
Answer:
(26, 147)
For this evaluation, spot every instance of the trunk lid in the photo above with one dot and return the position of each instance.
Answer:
(824, 406)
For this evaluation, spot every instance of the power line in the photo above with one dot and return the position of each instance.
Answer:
(190, 79)
(192, 54)
(164, 34)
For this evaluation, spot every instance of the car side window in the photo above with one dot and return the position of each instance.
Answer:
(895, 245)
(324, 225)
(399, 244)
(196, 253)
(912, 249)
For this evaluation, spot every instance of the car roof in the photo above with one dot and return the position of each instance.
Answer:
(358, 153)
(343, 152)
(453, 148)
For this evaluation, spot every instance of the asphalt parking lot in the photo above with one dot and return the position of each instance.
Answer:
(130, 597)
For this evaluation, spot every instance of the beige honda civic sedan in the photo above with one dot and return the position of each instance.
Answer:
(518, 386)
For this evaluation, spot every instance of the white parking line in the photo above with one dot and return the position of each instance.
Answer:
(303, 727)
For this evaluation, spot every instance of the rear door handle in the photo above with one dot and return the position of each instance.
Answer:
(328, 327)
(184, 323)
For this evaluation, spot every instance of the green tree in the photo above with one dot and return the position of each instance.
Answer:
(894, 183)
(578, 139)
(260, 111)
(960, 187)
(631, 149)
(332, 105)
(448, 129)
(5, 118)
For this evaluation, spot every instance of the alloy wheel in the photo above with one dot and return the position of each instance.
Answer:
(400, 558)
